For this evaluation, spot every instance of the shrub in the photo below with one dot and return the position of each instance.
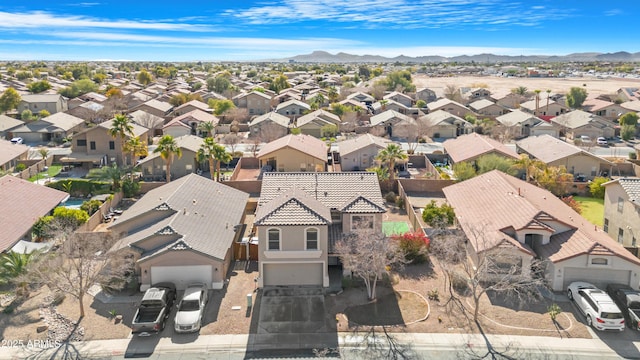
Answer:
(72, 217)
(130, 188)
(569, 200)
(554, 310)
(390, 197)
(58, 298)
(91, 206)
(20, 167)
(633, 155)
(433, 295)
(458, 282)
(400, 202)
(436, 216)
(81, 187)
(595, 187)
(41, 229)
(415, 246)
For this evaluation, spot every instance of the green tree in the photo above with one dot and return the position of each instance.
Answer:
(27, 115)
(99, 78)
(463, 171)
(556, 179)
(279, 83)
(399, 80)
(530, 166)
(381, 172)
(630, 118)
(576, 97)
(72, 218)
(391, 155)
(490, 162)
(222, 156)
(144, 77)
(207, 127)
(79, 87)
(295, 131)
(627, 132)
(219, 84)
(112, 174)
(14, 264)
(38, 86)
(168, 148)
(206, 152)
(221, 106)
(438, 216)
(329, 131)
(136, 148)
(421, 103)
(595, 187)
(43, 113)
(9, 100)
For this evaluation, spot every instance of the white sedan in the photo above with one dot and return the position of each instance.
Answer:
(191, 308)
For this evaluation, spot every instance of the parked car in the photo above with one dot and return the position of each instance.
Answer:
(628, 300)
(154, 309)
(17, 140)
(585, 139)
(191, 308)
(602, 141)
(598, 308)
(580, 178)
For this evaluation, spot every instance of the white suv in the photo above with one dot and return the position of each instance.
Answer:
(601, 312)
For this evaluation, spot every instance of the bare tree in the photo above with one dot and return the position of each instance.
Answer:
(451, 92)
(240, 115)
(378, 91)
(272, 131)
(255, 146)
(368, 254)
(496, 269)
(232, 140)
(80, 262)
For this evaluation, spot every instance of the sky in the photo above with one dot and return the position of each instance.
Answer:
(219, 30)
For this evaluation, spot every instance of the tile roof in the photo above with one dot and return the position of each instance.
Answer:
(630, 185)
(323, 116)
(388, 116)
(578, 118)
(41, 98)
(195, 103)
(442, 103)
(53, 123)
(184, 142)
(293, 102)
(7, 122)
(160, 105)
(494, 202)
(272, 116)
(304, 143)
(481, 104)
(10, 151)
(23, 202)
(439, 116)
(137, 129)
(201, 213)
(146, 119)
(349, 146)
(293, 207)
(548, 149)
(516, 117)
(197, 115)
(471, 146)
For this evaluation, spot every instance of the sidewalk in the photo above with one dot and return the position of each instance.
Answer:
(452, 344)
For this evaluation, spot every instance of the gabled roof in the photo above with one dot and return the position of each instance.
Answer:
(442, 103)
(253, 93)
(578, 118)
(10, 151)
(193, 115)
(272, 116)
(495, 201)
(336, 190)
(548, 149)
(185, 142)
(471, 146)
(349, 146)
(137, 129)
(293, 207)
(41, 98)
(304, 143)
(481, 104)
(630, 185)
(146, 119)
(23, 202)
(53, 123)
(195, 103)
(324, 116)
(194, 215)
(159, 105)
(360, 96)
(7, 123)
(440, 116)
(397, 94)
(517, 117)
(390, 115)
(293, 102)
(631, 105)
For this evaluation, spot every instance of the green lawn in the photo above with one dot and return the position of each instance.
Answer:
(51, 172)
(592, 209)
(390, 228)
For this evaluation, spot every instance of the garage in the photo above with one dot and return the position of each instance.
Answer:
(598, 277)
(182, 275)
(292, 274)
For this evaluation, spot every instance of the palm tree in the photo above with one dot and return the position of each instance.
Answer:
(548, 94)
(521, 91)
(121, 127)
(207, 128)
(44, 153)
(389, 155)
(168, 148)
(136, 148)
(537, 102)
(14, 267)
(112, 174)
(206, 153)
(222, 156)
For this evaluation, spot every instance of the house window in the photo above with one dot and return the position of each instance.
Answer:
(112, 145)
(311, 239)
(599, 261)
(92, 145)
(605, 227)
(361, 222)
(620, 204)
(81, 142)
(620, 235)
(273, 239)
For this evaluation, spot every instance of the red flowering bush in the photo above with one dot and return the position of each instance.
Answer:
(415, 246)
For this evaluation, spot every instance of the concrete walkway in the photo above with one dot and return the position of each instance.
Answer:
(235, 346)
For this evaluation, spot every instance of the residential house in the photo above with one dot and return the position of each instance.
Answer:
(393, 123)
(486, 107)
(23, 203)
(256, 102)
(10, 154)
(187, 123)
(95, 146)
(389, 104)
(361, 97)
(153, 167)
(476, 94)
(631, 106)
(607, 109)
(426, 94)
(150, 121)
(507, 99)
(312, 123)
(555, 152)
(191, 106)
(441, 124)
(553, 109)
(450, 106)
(522, 124)
(359, 153)
(292, 108)
(469, 147)
(89, 111)
(510, 221)
(622, 210)
(577, 123)
(300, 216)
(155, 107)
(270, 126)
(7, 124)
(401, 98)
(180, 233)
(55, 127)
(53, 103)
(629, 93)
(294, 153)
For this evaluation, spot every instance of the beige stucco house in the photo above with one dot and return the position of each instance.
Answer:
(312, 123)
(472, 146)
(299, 218)
(441, 124)
(181, 234)
(622, 210)
(153, 167)
(54, 127)
(393, 123)
(578, 123)
(293, 108)
(359, 153)
(10, 154)
(53, 103)
(487, 107)
(450, 106)
(256, 103)
(507, 217)
(270, 126)
(294, 153)
(191, 106)
(187, 123)
(522, 124)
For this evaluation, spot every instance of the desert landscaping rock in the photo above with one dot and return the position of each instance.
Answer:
(60, 328)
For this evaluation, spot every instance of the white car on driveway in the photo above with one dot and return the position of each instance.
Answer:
(596, 305)
(191, 308)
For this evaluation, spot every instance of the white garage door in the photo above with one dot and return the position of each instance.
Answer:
(292, 274)
(181, 275)
(598, 277)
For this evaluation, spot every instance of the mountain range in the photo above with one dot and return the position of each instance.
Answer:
(325, 57)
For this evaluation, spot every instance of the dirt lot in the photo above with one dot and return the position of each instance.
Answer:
(594, 86)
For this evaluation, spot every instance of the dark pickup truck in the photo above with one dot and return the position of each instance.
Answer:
(154, 309)
(628, 300)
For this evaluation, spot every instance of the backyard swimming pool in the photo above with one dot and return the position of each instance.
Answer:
(73, 203)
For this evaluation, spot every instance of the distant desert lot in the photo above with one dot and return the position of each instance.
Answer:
(496, 84)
